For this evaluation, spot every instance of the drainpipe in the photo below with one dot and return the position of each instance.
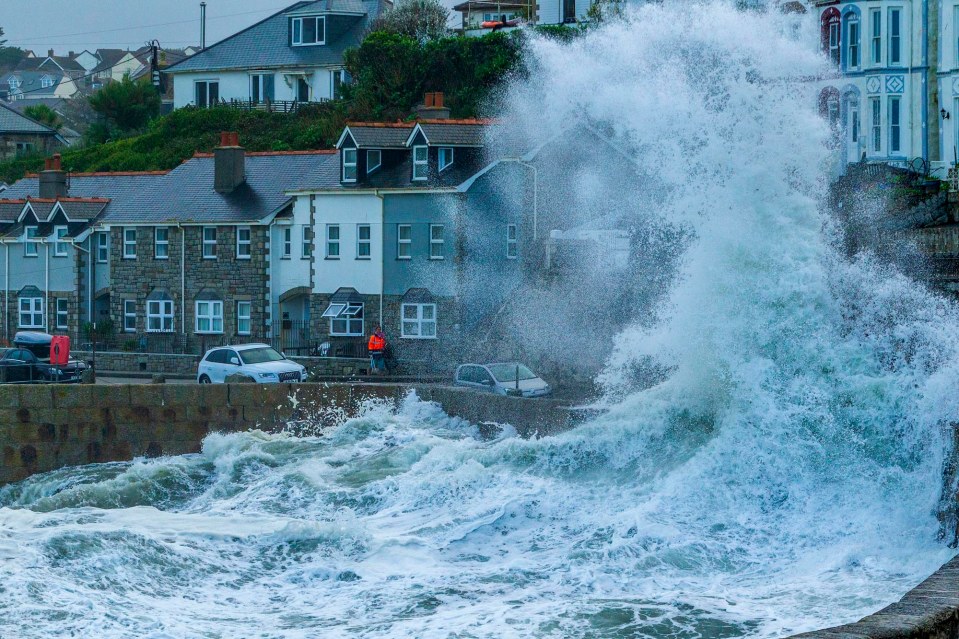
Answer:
(46, 278)
(182, 277)
(377, 193)
(6, 293)
(89, 278)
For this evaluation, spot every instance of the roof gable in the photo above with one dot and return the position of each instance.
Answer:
(13, 122)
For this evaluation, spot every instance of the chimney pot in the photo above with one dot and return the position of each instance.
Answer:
(53, 179)
(428, 100)
(73, 54)
(438, 100)
(46, 164)
(49, 53)
(57, 162)
(224, 138)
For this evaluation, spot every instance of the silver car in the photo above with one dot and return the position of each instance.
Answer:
(510, 378)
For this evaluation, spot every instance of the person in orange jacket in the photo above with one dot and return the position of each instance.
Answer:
(377, 348)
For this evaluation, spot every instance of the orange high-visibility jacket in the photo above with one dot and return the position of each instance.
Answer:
(377, 344)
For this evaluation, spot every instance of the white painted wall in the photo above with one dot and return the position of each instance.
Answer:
(366, 276)
(235, 85)
(292, 272)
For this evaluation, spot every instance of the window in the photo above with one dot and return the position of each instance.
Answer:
(209, 242)
(895, 44)
(419, 321)
(129, 316)
(831, 35)
(852, 35)
(30, 241)
(59, 245)
(31, 312)
(832, 110)
(349, 165)
(14, 82)
(955, 32)
(103, 248)
(206, 93)
(24, 148)
(337, 80)
(309, 31)
(307, 242)
(446, 158)
(46, 82)
(363, 241)
(209, 316)
(420, 162)
(332, 241)
(511, 245)
(287, 242)
(436, 241)
(262, 87)
(159, 316)
(161, 243)
(894, 126)
(875, 19)
(63, 317)
(243, 243)
(129, 244)
(243, 322)
(374, 158)
(345, 319)
(853, 121)
(404, 241)
(302, 90)
(876, 125)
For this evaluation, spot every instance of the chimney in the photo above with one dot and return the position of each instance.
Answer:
(432, 107)
(53, 179)
(73, 54)
(49, 53)
(229, 160)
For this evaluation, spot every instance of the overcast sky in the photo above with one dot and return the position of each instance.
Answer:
(75, 25)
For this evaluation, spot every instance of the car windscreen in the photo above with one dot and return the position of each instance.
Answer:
(260, 355)
(507, 372)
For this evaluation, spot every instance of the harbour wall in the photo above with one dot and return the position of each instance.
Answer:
(45, 427)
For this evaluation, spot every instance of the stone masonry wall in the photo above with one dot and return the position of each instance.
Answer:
(44, 427)
(11, 316)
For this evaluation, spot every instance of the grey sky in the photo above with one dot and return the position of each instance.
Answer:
(75, 25)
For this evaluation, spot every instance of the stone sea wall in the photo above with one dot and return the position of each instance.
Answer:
(44, 427)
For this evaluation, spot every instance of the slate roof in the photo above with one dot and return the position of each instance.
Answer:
(119, 188)
(47, 64)
(30, 82)
(10, 210)
(266, 44)
(108, 58)
(13, 122)
(186, 194)
(376, 135)
(455, 132)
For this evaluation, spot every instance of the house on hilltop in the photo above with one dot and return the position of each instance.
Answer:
(295, 55)
(20, 135)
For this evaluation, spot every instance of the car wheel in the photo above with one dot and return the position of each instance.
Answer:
(204, 379)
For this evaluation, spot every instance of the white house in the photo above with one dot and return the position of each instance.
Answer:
(295, 55)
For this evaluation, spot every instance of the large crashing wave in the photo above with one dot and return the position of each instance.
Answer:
(784, 477)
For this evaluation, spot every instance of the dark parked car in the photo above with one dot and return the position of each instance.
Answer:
(29, 361)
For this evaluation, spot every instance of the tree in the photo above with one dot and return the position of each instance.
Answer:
(127, 105)
(9, 56)
(422, 20)
(44, 115)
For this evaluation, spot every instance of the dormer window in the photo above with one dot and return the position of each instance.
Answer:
(374, 158)
(420, 162)
(46, 82)
(308, 31)
(446, 158)
(14, 82)
(349, 165)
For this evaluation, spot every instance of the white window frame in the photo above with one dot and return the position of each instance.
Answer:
(895, 39)
(161, 248)
(333, 244)
(370, 164)
(103, 247)
(362, 243)
(895, 124)
(512, 245)
(244, 313)
(852, 43)
(875, 20)
(162, 312)
(206, 92)
(336, 88)
(30, 241)
(875, 114)
(437, 246)
(834, 25)
(129, 316)
(59, 246)
(63, 313)
(421, 166)
(287, 233)
(33, 309)
(306, 242)
(129, 245)
(258, 87)
(243, 246)
(296, 37)
(413, 327)
(351, 318)
(445, 163)
(349, 165)
(404, 244)
(46, 82)
(209, 245)
(854, 123)
(210, 312)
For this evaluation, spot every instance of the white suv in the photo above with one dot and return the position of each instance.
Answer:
(259, 362)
